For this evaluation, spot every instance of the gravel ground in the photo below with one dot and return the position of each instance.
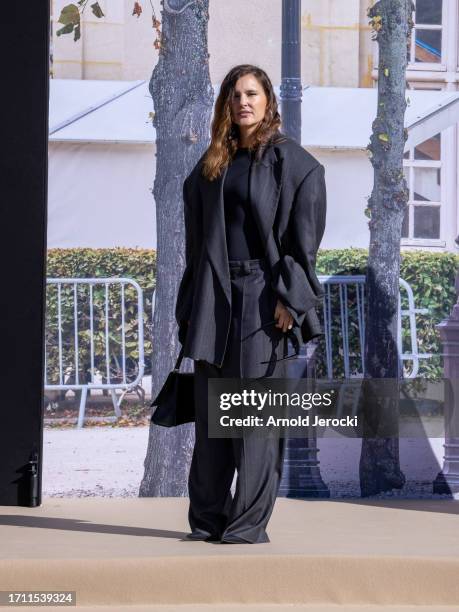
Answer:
(108, 462)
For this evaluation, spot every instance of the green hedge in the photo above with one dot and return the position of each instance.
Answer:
(431, 276)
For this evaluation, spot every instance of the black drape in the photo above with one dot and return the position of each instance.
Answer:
(24, 52)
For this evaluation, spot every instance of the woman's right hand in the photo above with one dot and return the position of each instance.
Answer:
(283, 317)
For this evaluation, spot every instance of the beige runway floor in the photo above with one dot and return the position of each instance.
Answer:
(130, 553)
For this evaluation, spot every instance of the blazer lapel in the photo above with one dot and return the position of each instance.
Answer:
(265, 188)
(214, 229)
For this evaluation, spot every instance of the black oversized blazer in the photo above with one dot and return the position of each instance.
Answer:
(288, 199)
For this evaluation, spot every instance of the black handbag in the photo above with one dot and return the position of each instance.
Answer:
(175, 402)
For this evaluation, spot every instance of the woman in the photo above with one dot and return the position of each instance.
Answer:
(254, 218)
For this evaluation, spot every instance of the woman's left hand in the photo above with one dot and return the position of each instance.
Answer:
(283, 317)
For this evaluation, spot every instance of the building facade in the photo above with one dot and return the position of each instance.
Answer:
(337, 50)
(336, 41)
(431, 167)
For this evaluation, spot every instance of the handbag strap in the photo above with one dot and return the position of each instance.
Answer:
(179, 360)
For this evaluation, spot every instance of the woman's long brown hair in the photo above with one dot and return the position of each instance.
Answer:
(225, 133)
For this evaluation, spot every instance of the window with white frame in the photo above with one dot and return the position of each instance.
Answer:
(423, 174)
(426, 49)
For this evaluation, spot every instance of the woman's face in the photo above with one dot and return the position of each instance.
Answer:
(249, 102)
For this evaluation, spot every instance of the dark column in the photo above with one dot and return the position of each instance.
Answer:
(447, 480)
(290, 90)
(301, 475)
(24, 48)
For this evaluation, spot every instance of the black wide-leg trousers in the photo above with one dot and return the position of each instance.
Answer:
(253, 350)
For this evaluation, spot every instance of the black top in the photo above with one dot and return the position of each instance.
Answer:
(242, 236)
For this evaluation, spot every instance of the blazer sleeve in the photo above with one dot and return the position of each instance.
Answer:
(303, 290)
(184, 301)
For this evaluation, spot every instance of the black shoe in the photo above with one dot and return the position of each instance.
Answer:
(231, 539)
(202, 536)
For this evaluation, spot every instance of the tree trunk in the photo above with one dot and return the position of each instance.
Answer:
(379, 461)
(183, 97)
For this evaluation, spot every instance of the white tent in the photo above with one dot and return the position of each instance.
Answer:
(102, 158)
(101, 165)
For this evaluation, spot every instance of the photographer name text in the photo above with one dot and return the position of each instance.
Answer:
(305, 421)
(259, 401)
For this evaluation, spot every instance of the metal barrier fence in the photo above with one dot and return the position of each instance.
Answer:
(343, 285)
(337, 288)
(111, 361)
